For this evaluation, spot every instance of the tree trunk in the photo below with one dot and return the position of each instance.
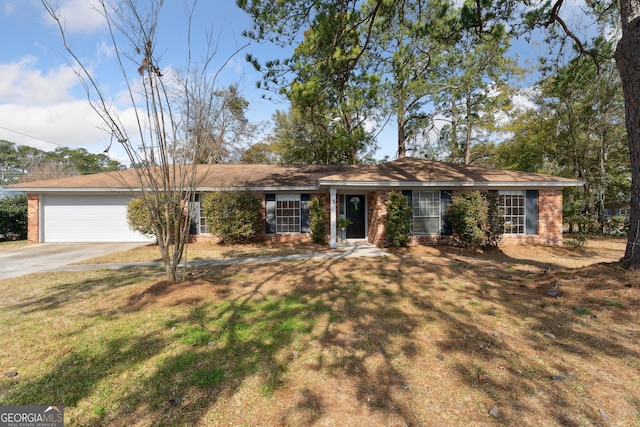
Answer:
(628, 61)
(469, 133)
(402, 143)
(454, 132)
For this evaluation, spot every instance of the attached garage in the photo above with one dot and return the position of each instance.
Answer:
(86, 218)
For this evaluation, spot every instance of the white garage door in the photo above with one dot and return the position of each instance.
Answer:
(88, 218)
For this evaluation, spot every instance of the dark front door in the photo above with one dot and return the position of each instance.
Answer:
(355, 212)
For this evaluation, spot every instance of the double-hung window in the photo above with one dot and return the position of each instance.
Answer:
(287, 213)
(514, 210)
(426, 212)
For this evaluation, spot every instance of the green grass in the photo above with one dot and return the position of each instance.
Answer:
(583, 311)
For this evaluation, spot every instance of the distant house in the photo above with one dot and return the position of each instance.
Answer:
(612, 209)
(92, 208)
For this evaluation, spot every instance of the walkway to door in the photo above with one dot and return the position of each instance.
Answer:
(360, 248)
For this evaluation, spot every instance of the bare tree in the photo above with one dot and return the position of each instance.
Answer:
(162, 147)
(48, 170)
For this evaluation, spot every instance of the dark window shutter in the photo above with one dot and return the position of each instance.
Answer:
(270, 213)
(304, 213)
(531, 218)
(409, 195)
(445, 225)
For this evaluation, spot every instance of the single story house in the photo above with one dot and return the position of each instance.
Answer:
(92, 208)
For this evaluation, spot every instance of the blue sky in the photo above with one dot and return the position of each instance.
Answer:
(42, 103)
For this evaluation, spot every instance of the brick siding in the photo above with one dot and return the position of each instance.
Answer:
(272, 237)
(549, 223)
(33, 218)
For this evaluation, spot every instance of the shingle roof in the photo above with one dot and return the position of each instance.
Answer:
(208, 177)
(398, 172)
(412, 170)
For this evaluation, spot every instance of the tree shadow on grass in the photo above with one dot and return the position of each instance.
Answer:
(70, 291)
(258, 333)
(557, 337)
(79, 372)
(356, 322)
(246, 336)
(203, 354)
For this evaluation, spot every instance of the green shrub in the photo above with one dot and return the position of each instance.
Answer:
(233, 216)
(138, 217)
(13, 216)
(476, 219)
(575, 240)
(495, 215)
(317, 221)
(398, 219)
(138, 213)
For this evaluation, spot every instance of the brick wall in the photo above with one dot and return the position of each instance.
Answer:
(377, 213)
(549, 223)
(33, 218)
(262, 234)
(550, 216)
(377, 222)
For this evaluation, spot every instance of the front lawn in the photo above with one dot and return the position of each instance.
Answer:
(8, 245)
(426, 336)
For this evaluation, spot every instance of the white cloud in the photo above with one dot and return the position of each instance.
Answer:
(70, 124)
(105, 50)
(22, 83)
(38, 109)
(522, 101)
(82, 16)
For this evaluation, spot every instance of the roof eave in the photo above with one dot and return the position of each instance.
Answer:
(136, 190)
(388, 184)
(72, 190)
(262, 189)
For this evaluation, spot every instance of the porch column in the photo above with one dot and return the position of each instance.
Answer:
(333, 243)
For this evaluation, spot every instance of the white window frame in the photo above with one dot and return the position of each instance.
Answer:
(288, 224)
(426, 204)
(203, 228)
(507, 198)
(199, 217)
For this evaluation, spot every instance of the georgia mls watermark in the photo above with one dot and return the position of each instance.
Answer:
(31, 416)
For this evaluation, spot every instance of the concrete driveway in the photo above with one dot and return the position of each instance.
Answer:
(37, 258)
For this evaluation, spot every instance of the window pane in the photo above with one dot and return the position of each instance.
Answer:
(513, 207)
(426, 212)
(287, 213)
